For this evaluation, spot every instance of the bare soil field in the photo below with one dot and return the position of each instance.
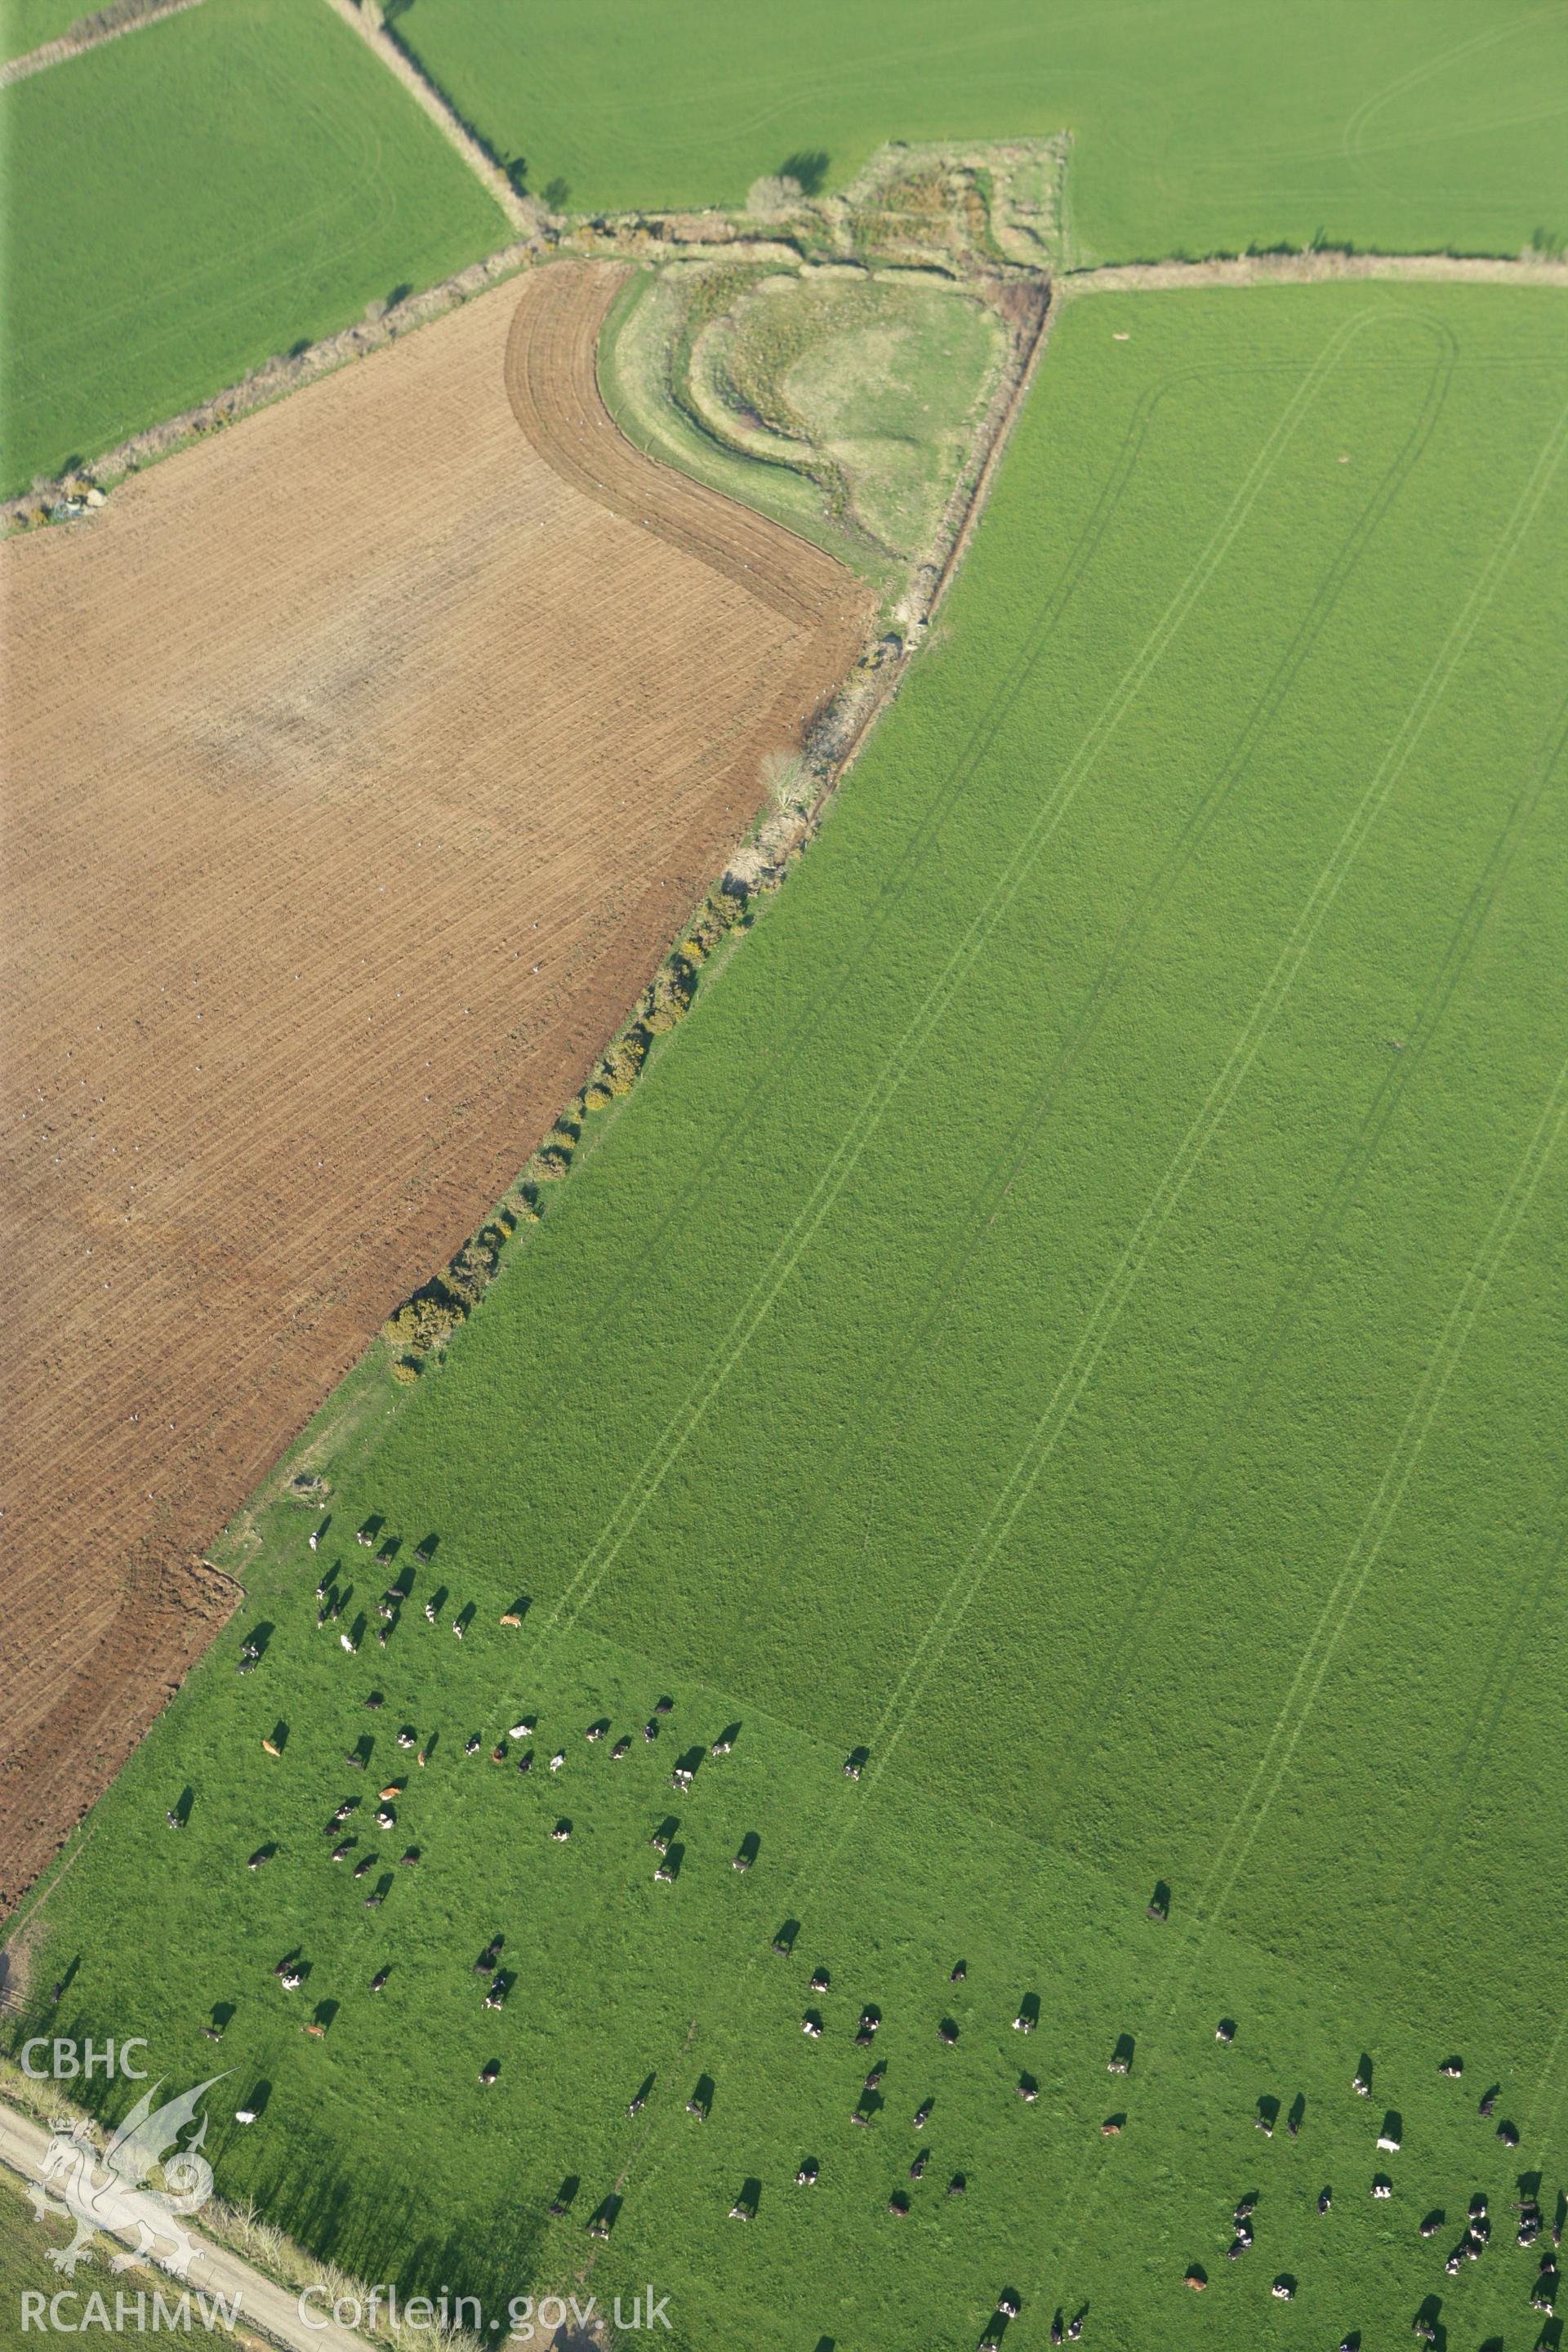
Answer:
(362, 761)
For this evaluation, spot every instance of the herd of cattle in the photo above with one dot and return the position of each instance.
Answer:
(512, 1747)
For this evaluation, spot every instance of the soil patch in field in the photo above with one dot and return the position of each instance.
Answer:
(362, 763)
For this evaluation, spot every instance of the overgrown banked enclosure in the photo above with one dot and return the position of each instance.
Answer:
(1072, 1312)
(849, 369)
(281, 181)
(845, 409)
(1399, 129)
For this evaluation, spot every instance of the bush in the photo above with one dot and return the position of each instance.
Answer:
(775, 192)
(468, 1275)
(426, 1322)
(790, 782)
(405, 1368)
(669, 998)
(622, 1065)
(719, 916)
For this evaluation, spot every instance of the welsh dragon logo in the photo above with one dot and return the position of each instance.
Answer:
(107, 2192)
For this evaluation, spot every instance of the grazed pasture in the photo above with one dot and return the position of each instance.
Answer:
(1074, 1311)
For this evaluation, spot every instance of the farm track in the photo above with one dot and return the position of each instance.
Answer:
(291, 1002)
(370, 26)
(215, 2270)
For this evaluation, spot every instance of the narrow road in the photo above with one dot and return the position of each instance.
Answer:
(368, 22)
(272, 2310)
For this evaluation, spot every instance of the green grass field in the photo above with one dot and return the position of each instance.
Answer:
(281, 181)
(1071, 1311)
(1386, 126)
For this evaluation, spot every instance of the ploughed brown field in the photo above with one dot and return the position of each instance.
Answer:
(362, 764)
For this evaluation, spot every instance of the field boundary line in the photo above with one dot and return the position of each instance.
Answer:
(370, 26)
(1314, 269)
(277, 378)
(980, 496)
(682, 1424)
(59, 51)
